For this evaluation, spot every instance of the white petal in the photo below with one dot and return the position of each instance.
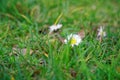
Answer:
(65, 41)
(76, 37)
(55, 27)
(59, 26)
(70, 36)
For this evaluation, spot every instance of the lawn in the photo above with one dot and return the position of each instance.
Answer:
(28, 51)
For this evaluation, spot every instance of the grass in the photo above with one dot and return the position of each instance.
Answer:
(27, 52)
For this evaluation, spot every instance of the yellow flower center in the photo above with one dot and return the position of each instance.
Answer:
(73, 41)
(102, 33)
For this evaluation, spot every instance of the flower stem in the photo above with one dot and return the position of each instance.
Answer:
(58, 18)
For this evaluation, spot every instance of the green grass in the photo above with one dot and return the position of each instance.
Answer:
(24, 25)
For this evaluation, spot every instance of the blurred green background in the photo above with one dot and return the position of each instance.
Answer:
(24, 27)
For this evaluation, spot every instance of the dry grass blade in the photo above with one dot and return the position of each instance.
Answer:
(81, 33)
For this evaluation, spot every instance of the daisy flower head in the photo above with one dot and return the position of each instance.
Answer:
(54, 27)
(74, 39)
(101, 32)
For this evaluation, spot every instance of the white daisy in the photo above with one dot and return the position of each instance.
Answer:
(101, 33)
(54, 27)
(74, 39)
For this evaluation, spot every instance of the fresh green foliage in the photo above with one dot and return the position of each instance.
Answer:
(28, 52)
